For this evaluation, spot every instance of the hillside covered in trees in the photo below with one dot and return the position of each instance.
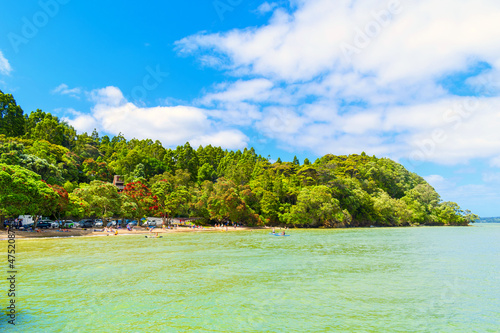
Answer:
(47, 168)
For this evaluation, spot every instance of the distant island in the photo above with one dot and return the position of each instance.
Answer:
(48, 169)
(489, 220)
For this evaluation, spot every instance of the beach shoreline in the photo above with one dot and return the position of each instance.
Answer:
(72, 233)
(53, 233)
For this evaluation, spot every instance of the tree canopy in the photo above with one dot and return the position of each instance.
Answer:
(47, 168)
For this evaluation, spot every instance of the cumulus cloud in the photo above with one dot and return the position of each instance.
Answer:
(5, 67)
(80, 121)
(172, 125)
(266, 7)
(395, 40)
(484, 197)
(343, 77)
(255, 90)
(495, 161)
(439, 182)
(450, 131)
(487, 83)
(491, 177)
(63, 89)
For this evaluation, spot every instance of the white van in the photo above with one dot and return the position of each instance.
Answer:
(27, 220)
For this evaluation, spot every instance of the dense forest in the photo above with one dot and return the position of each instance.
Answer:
(47, 168)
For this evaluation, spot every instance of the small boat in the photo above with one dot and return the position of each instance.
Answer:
(153, 236)
(277, 234)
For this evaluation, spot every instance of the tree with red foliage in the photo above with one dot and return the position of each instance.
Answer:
(140, 195)
(62, 200)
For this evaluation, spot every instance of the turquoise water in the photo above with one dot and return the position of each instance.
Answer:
(428, 279)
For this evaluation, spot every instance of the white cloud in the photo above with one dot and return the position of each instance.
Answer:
(5, 67)
(448, 131)
(495, 162)
(172, 125)
(483, 197)
(63, 89)
(82, 122)
(110, 95)
(295, 85)
(491, 177)
(439, 182)
(487, 83)
(257, 90)
(266, 7)
(238, 113)
(423, 40)
(227, 138)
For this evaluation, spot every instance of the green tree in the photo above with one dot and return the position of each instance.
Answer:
(139, 172)
(316, 207)
(206, 172)
(23, 192)
(44, 126)
(98, 198)
(11, 116)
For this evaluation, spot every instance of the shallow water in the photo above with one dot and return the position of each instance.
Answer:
(428, 279)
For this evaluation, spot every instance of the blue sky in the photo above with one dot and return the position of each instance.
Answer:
(416, 81)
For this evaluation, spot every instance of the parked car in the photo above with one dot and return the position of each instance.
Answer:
(68, 224)
(132, 223)
(55, 224)
(26, 221)
(86, 223)
(44, 224)
(98, 223)
(151, 223)
(111, 224)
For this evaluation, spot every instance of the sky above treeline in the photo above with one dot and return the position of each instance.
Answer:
(415, 81)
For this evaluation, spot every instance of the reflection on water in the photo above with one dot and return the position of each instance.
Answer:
(377, 280)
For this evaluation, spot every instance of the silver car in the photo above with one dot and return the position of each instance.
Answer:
(69, 224)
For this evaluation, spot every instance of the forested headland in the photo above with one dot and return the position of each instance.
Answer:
(47, 168)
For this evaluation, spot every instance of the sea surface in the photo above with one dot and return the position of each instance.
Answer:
(423, 279)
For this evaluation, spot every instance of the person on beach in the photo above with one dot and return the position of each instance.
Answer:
(116, 232)
(274, 231)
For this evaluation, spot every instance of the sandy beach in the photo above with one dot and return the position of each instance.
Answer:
(48, 233)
